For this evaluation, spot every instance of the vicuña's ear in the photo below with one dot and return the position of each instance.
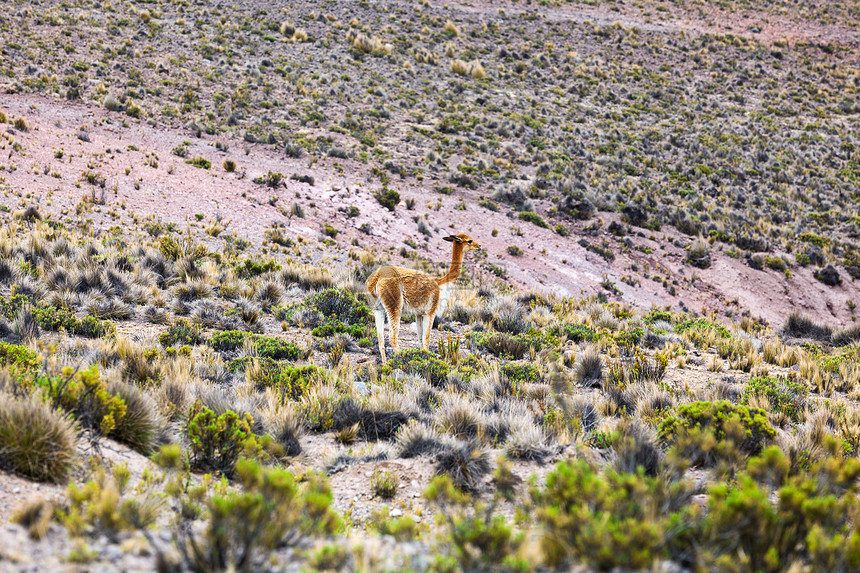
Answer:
(451, 238)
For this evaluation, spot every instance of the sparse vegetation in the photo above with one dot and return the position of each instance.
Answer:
(680, 425)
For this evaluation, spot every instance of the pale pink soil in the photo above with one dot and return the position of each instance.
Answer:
(767, 27)
(549, 262)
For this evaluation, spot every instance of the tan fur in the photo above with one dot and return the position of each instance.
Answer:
(390, 289)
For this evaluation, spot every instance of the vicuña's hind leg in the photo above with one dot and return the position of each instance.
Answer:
(379, 317)
(394, 329)
(393, 302)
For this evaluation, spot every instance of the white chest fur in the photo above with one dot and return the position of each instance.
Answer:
(444, 297)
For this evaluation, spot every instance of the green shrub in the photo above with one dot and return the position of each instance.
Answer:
(747, 427)
(341, 305)
(51, 318)
(36, 442)
(290, 381)
(332, 557)
(784, 395)
(476, 538)
(270, 179)
(11, 306)
(268, 511)
(17, 356)
(761, 521)
(533, 218)
(228, 340)
(702, 324)
(294, 381)
(181, 332)
(218, 441)
(342, 312)
(336, 327)
(754, 528)
(277, 348)
(814, 239)
(200, 162)
(250, 268)
(267, 347)
(388, 198)
(401, 529)
(384, 484)
(92, 327)
(418, 361)
(520, 373)
(610, 520)
(85, 395)
(657, 315)
(576, 332)
(330, 231)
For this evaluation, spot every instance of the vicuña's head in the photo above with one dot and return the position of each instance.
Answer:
(464, 240)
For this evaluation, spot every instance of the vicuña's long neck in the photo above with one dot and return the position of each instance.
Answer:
(456, 266)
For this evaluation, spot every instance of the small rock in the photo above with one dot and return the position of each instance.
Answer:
(395, 513)
(113, 553)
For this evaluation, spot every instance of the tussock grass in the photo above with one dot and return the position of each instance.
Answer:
(36, 441)
(367, 44)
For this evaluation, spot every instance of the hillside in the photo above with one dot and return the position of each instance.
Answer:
(627, 135)
(652, 363)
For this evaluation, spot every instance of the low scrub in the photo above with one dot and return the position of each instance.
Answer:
(785, 396)
(17, 356)
(707, 431)
(290, 381)
(217, 442)
(421, 362)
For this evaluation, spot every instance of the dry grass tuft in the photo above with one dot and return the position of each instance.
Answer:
(36, 442)
(367, 44)
(34, 514)
(465, 464)
(473, 68)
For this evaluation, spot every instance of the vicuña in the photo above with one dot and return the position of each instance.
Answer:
(392, 289)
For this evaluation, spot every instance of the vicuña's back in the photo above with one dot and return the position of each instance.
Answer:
(392, 288)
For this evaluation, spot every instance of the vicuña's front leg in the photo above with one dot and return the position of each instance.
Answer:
(419, 329)
(379, 317)
(428, 328)
(394, 325)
